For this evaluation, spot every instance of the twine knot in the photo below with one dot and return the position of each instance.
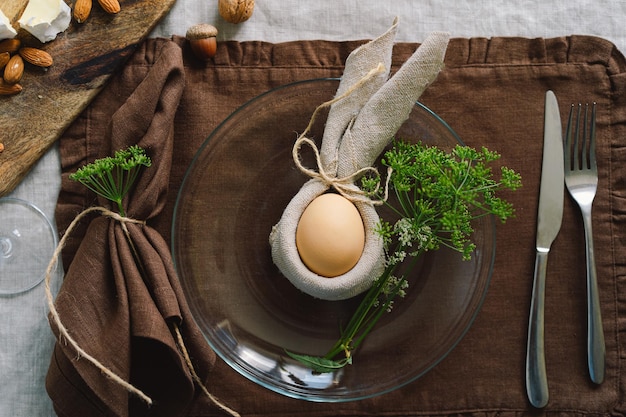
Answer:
(116, 216)
(343, 185)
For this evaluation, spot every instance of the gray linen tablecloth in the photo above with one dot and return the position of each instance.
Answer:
(25, 338)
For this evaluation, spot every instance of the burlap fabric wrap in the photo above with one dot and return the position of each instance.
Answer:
(368, 113)
(491, 92)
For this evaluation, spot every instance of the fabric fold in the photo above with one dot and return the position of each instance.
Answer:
(359, 64)
(121, 299)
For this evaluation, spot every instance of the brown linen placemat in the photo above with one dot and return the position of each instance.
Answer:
(491, 93)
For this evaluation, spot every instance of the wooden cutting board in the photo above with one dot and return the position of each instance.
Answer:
(85, 56)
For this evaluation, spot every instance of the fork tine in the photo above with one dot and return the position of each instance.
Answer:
(592, 139)
(568, 148)
(577, 135)
(584, 141)
(580, 138)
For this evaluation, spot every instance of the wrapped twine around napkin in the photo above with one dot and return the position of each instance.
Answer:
(364, 116)
(127, 344)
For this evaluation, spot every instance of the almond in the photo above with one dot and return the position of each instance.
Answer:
(36, 56)
(10, 45)
(9, 89)
(82, 9)
(14, 70)
(4, 59)
(110, 6)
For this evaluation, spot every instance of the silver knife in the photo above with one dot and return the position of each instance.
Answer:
(549, 218)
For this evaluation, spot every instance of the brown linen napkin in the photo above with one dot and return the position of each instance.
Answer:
(116, 313)
(491, 92)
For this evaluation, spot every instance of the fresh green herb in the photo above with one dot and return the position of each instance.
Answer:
(112, 177)
(437, 195)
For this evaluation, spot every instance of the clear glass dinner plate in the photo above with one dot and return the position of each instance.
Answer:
(235, 190)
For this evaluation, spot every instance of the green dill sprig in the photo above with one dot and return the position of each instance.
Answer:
(113, 177)
(437, 196)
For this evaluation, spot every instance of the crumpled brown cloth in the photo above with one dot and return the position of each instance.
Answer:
(116, 313)
(491, 93)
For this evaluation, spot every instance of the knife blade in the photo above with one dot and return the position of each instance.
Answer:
(549, 217)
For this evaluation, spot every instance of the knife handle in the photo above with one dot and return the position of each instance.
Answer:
(596, 350)
(536, 376)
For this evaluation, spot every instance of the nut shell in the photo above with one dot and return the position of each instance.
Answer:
(4, 59)
(110, 6)
(201, 31)
(203, 41)
(10, 45)
(14, 70)
(204, 49)
(9, 89)
(235, 11)
(82, 10)
(36, 56)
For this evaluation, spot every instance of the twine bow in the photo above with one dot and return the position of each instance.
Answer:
(343, 185)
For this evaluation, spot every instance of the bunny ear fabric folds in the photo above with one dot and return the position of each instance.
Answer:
(389, 107)
(361, 62)
(366, 113)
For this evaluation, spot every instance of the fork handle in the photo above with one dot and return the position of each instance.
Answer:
(596, 350)
(536, 376)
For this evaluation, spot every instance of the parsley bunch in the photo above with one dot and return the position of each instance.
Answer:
(112, 177)
(436, 197)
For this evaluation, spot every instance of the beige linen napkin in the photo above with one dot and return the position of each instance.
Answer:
(367, 111)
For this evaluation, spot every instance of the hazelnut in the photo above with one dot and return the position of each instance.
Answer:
(202, 40)
(235, 11)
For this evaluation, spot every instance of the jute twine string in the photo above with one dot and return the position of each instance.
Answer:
(343, 185)
(196, 378)
(64, 333)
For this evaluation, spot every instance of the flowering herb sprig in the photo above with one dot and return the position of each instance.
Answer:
(437, 196)
(112, 177)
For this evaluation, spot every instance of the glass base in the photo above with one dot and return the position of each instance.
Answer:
(27, 243)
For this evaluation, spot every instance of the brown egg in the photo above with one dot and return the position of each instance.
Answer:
(330, 236)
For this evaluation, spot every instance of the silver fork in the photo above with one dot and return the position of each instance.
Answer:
(581, 179)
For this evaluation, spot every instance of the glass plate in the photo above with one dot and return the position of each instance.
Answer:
(235, 190)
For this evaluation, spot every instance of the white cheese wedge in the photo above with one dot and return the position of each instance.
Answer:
(6, 30)
(45, 19)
